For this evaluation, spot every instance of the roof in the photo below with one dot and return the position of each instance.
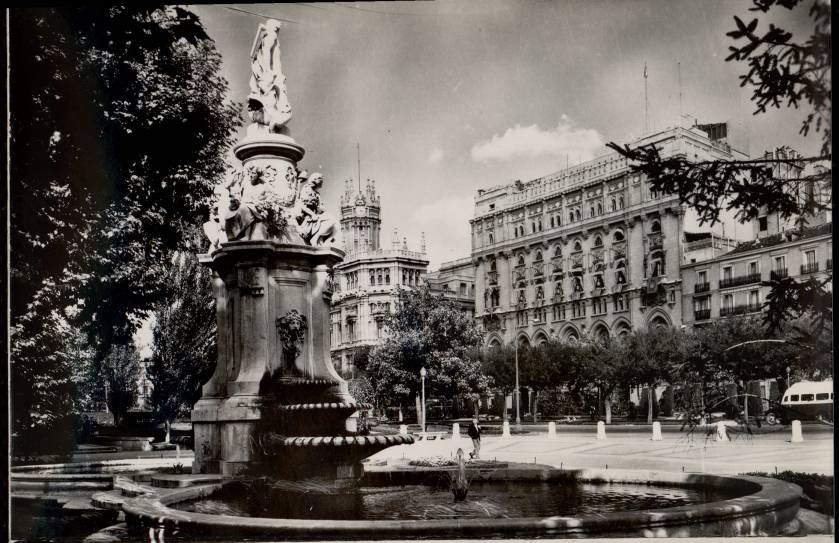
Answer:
(783, 237)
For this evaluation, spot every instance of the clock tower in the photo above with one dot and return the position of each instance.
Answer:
(361, 219)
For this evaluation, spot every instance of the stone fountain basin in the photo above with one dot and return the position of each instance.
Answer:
(766, 507)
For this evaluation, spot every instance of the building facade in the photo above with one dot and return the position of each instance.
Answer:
(588, 251)
(735, 283)
(365, 282)
(456, 281)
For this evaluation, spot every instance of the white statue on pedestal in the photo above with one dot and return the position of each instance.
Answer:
(268, 101)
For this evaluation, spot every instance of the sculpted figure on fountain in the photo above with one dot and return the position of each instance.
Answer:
(268, 100)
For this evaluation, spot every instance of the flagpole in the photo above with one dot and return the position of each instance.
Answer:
(646, 104)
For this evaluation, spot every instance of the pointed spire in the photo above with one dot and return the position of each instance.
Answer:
(422, 242)
(395, 241)
(404, 243)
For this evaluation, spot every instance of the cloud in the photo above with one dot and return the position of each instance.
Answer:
(436, 155)
(531, 142)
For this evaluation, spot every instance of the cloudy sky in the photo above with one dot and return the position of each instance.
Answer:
(450, 96)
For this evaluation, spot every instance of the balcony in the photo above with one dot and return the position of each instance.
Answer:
(701, 314)
(741, 309)
(538, 269)
(699, 288)
(740, 280)
(811, 267)
(656, 241)
(777, 275)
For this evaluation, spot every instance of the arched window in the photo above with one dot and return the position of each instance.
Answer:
(656, 228)
(491, 238)
(521, 261)
(578, 246)
(577, 214)
(492, 265)
(538, 256)
(612, 205)
(598, 241)
(557, 251)
(599, 208)
(620, 203)
(559, 220)
(540, 225)
(591, 211)
(552, 222)
(571, 217)
(618, 235)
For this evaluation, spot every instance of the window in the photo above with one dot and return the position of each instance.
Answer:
(538, 256)
(726, 273)
(793, 398)
(620, 202)
(598, 241)
(822, 396)
(372, 279)
(491, 207)
(619, 236)
(780, 263)
(571, 217)
(540, 225)
(656, 228)
(728, 301)
(762, 224)
(806, 397)
(702, 277)
(491, 238)
(591, 211)
(810, 257)
(612, 205)
(754, 298)
(753, 268)
(521, 261)
(599, 209)
(577, 214)
(463, 289)
(552, 222)
(387, 277)
(578, 246)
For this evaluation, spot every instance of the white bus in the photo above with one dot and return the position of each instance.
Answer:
(805, 400)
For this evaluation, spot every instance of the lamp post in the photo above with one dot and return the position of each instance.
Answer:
(422, 377)
(518, 390)
(787, 376)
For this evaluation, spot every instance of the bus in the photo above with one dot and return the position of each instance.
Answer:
(805, 400)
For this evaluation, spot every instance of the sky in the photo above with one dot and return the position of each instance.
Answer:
(446, 97)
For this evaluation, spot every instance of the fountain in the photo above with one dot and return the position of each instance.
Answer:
(276, 451)
(275, 404)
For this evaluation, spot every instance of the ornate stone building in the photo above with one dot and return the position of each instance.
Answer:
(587, 251)
(456, 281)
(365, 282)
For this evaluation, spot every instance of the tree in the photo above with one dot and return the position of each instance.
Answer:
(119, 126)
(432, 332)
(498, 364)
(184, 339)
(781, 73)
(603, 367)
(121, 368)
(652, 355)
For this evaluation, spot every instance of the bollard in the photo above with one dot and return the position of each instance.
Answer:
(177, 451)
(505, 431)
(601, 430)
(656, 431)
(455, 431)
(797, 436)
(403, 430)
(551, 430)
(721, 433)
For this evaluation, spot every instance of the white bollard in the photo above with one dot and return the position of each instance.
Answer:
(551, 430)
(797, 436)
(601, 430)
(177, 451)
(505, 430)
(722, 435)
(455, 431)
(403, 430)
(656, 431)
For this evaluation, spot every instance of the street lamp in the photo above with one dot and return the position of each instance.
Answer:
(422, 377)
(787, 376)
(518, 390)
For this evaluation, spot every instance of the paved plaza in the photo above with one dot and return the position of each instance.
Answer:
(620, 450)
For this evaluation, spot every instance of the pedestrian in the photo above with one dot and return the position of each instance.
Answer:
(474, 432)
